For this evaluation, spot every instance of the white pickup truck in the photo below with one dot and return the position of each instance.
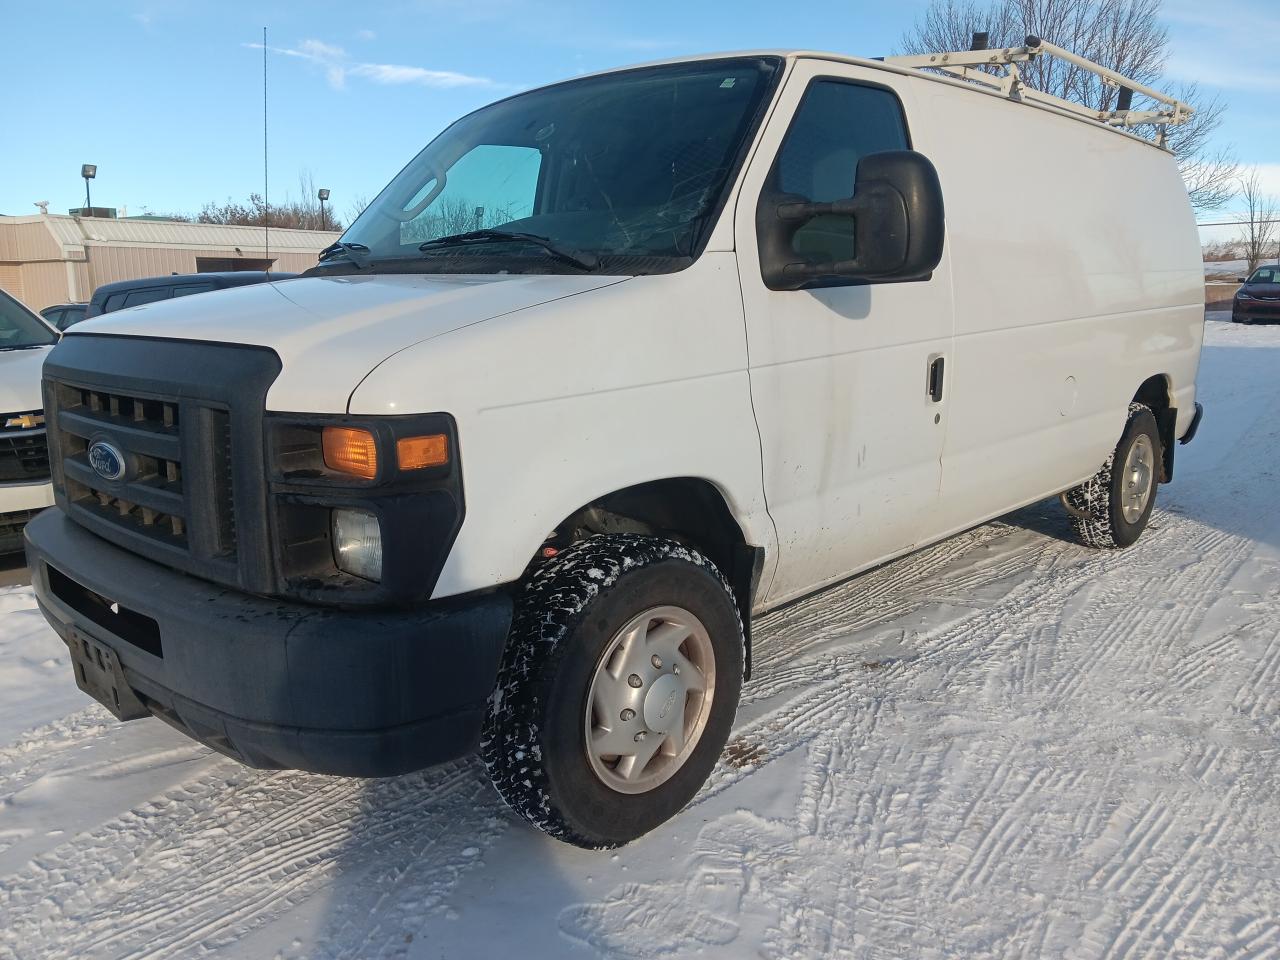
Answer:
(25, 341)
(610, 367)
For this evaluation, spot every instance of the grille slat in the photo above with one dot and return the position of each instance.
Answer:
(24, 451)
(151, 501)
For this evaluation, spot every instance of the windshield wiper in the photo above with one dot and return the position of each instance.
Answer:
(357, 253)
(578, 258)
(24, 346)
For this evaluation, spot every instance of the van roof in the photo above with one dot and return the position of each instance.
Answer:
(1032, 99)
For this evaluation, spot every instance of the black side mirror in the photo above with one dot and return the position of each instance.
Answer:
(895, 218)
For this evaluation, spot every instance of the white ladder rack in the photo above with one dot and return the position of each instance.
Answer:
(968, 64)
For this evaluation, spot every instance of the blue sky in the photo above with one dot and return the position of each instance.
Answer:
(165, 95)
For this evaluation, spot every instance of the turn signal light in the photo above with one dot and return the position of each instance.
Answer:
(415, 453)
(350, 450)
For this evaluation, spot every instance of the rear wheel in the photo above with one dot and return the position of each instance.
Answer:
(617, 691)
(1111, 509)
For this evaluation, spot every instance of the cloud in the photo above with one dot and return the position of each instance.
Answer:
(338, 65)
(1227, 75)
(366, 35)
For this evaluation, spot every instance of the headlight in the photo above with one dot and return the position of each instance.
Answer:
(357, 543)
(1243, 296)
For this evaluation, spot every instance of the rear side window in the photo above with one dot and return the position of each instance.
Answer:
(837, 124)
(190, 288)
(149, 295)
(113, 302)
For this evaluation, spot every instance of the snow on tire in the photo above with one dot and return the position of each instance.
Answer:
(1111, 508)
(583, 738)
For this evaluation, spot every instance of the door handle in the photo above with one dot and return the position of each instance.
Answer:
(937, 367)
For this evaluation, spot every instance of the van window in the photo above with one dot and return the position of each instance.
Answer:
(489, 186)
(149, 295)
(631, 167)
(836, 125)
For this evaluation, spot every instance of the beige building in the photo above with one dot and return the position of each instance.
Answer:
(47, 259)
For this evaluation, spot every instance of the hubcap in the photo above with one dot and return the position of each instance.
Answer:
(1138, 478)
(639, 734)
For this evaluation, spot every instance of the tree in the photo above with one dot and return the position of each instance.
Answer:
(1122, 35)
(1258, 231)
(301, 214)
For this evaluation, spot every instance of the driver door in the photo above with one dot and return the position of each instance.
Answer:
(851, 434)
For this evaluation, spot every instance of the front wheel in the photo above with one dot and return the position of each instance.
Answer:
(1111, 508)
(617, 691)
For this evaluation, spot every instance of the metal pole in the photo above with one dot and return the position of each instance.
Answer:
(87, 202)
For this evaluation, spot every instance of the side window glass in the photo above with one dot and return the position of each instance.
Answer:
(150, 295)
(189, 289)
(113, 302)
(836, 125)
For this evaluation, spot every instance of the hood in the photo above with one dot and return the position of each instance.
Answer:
(329, 332)
(20, 380)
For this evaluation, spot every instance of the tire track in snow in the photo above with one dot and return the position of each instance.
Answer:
(208, 862)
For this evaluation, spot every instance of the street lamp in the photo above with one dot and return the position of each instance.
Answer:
(88, 171)
(323, 195)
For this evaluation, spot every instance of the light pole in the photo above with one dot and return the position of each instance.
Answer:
(323, 195)
(88, 171)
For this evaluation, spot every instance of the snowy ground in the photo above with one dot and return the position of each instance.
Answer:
(1004, 746)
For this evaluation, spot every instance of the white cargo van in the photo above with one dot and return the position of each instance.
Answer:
(25, 341)
(608, 368)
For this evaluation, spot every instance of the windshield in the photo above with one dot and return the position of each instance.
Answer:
(1266, 275)
(624, 171)
(20, 328)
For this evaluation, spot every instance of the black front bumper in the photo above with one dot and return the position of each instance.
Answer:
(270, 683)
(1265, 311)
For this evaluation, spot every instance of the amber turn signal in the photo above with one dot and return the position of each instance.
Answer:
(350, 450)
(414, 453)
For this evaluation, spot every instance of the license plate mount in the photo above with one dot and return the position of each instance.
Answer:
(99, 674)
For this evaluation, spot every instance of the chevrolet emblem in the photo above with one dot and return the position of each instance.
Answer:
(26, 421)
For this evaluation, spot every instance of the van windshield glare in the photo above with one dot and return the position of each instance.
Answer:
(630, 167)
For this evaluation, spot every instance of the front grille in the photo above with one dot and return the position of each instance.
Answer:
(24, 451)
(150, 499)
(186, 419)
(11, 525)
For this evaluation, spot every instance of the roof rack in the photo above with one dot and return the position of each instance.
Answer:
(968, 64)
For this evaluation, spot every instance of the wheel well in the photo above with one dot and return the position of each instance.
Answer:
(1154, 393)
(686, 509)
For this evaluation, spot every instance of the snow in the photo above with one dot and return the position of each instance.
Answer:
(1005, 745)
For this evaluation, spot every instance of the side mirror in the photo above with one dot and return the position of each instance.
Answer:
(1242, 279)
(893, 222)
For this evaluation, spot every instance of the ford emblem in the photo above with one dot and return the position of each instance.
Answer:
(107, 460)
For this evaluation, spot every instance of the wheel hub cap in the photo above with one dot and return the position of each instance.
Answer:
(1137, 479)
(660, 713)
(649, 700)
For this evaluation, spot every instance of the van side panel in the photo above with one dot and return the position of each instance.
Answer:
(1077, 276)
(641, 380)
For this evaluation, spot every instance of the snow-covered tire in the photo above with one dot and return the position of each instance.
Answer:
(1097, 506)
(572, 612)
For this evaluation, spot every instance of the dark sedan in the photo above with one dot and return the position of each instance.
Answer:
(1259, 298)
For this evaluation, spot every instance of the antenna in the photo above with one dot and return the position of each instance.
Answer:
(266, 197)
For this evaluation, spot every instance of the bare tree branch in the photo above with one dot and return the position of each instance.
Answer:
(1258, 226)
(1123, 35)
